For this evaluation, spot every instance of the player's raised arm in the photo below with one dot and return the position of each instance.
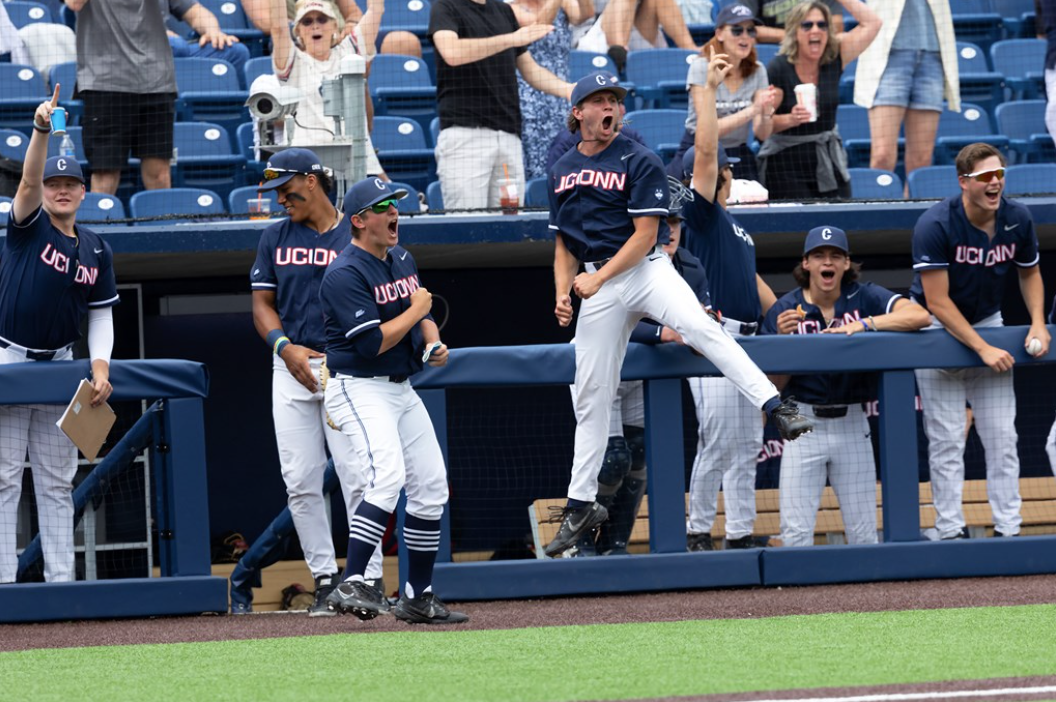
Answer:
(706, 140)
(31, 188)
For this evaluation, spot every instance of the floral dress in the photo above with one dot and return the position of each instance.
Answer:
(542, 115)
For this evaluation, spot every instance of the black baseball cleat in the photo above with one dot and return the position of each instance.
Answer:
(575, 522)
(426, 609)
(699, 542)
(358, 598)
(789, 422)
(324, 585)
(743, 542)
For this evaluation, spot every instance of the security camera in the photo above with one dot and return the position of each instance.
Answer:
(270, 100)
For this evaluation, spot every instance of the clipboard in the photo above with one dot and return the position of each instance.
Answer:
(86, 426)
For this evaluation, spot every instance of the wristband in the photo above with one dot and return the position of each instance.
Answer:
(40, 128)
(872, 322)
(277, 340)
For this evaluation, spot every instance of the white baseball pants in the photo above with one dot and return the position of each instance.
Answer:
(838, 449)
(302, 436)
(53, 461)
(1050, 448)
(393, 436)
(654, 289)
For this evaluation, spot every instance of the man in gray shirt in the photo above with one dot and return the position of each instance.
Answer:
(127, 79)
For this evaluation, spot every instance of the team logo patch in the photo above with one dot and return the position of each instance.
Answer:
(379, 184)
(659, 194)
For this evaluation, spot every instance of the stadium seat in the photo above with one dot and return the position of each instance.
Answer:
(405, 15)
(174, 201)
(933, 182)
(254, 166)
(1024, 124)
(402, 151)
(662, 129)
(209, 91)
(1030, 179)
(5, 210)
(434, 130)
(233, 21)
(434, 196)
(205, 158)
(401, 86)
(582, 63)
(23, 12)
(847, 83)
(100, 207)
(535, 193)
(1022, 63)
(701, 32)
(765, 53)
(875, 184)
(13, 144)
(659, 76)
(1017, 16)
(238, 199)
(979, 84)
(256, 67)
(958, 129)
(853, 122)
(412, 204)
(21, 91)
(975, 21)
(65, 75)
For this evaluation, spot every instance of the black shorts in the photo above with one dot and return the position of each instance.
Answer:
(118, 123)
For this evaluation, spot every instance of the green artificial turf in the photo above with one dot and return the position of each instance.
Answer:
(601, 662)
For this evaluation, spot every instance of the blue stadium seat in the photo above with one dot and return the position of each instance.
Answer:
(662, 129)
(582, 63)
(535, 193)
(13, 144)
(766, 52)
(5, 210)
(434, 196)
(65, 74)
(402, 151)
(853, 122)
(933, 182)
(1022, 63)
(100, 207)
(206, 159)
(958, 129)
(875, 184)
(1024, 124)
(701, 32)
(130, 174)
(209, 91)
(21, 91)
(401, 86)
(238, 199)
(1030, 179)
(979, 84)
(233, 21)
(174, 201)
(409, 16)
(1017, 16)
(434, 130)
(847, 83)
(23, 12)
(412, 204)
(254, 167)
(256, 67)
(659, 76)
(975, 21)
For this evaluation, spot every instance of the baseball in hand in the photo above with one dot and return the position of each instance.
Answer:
(1033, 346)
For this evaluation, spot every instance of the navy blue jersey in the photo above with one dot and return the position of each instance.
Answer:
(856, 301)
(691, 270)
(594, 199)
(48, 281)
(566, 140)
(360, 293)
(728, 254)
(291, 261)
(977, 266)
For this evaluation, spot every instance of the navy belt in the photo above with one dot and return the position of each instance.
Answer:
(389, 378)
(831, 412)
(34, 355)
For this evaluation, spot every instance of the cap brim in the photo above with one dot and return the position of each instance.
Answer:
(79, 179)
(277, 182)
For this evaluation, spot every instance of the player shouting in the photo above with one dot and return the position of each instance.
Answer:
(53, 271)
(607, 197)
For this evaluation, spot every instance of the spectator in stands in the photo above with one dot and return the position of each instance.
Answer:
(566, 139)
(213, 42)
(10, 43)
(631, 25)
(830, 300)
(905, 75)
(543, 116)
(480, 49)
(259, 14)
(126, 77)
(965, 250)
(746, 102)
(804, 159)
(316, 56)
(773, 14)
(1046, 23)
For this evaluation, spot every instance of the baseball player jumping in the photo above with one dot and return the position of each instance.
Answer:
(607, 197)
(831, 300)
(291, 258)
(379, 333)
(53, 272)
(964, 250)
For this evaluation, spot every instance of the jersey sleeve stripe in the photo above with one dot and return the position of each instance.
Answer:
(22, 225)
(554, 227)
(264, 285)
(355, 330)
(891, 303)
(106, 303)
(926, 266)
(1037, 258)
(660, 211)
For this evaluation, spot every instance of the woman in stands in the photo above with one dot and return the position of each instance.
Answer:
(804, 158)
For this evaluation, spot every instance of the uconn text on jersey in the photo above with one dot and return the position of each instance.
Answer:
(390, 292)
(597, 179)
(61, 263)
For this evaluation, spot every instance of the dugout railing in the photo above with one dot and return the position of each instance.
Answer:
(172, 429)
(902, 555)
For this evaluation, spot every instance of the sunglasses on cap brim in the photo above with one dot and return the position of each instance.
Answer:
(273, 173)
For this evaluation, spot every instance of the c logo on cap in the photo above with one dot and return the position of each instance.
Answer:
(379, 184)
(826, 233)
(61, 164)
(740, 10)
(600, 79)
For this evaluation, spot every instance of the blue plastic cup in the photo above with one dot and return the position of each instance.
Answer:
(58, 121)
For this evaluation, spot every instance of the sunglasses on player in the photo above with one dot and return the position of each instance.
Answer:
(380, 207)
(737, 30)
(807, 26)
(986, 176)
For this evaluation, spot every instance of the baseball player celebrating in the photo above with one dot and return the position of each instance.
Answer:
(729, 435)
(964, 249)
(52, 273)
(831, 300)
(379, 333)
(607, 197)
(291, 258)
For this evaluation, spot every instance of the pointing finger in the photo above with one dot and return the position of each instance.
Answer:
(55, 97)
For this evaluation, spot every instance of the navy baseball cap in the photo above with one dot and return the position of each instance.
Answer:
(283, 166)
(57, 166)
(596, 82)
(735, 14)
(687, 160)
(826, 236)
(370, 191)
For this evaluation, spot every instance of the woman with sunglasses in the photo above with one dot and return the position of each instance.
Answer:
(745, 100)
(804, 158)
(313, 55)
